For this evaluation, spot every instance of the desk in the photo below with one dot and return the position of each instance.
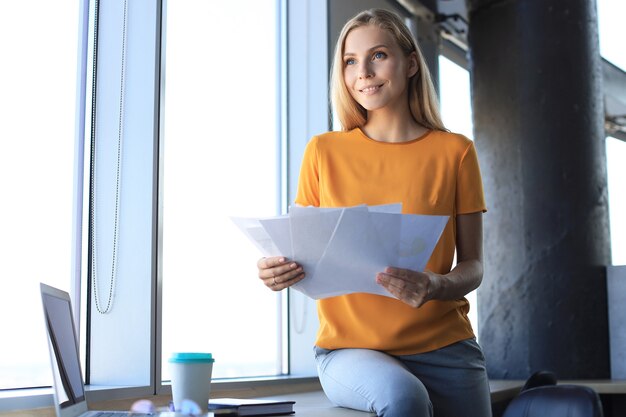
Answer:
(311, 401)
(315, 403)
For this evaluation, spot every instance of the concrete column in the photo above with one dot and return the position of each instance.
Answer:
(538, 120)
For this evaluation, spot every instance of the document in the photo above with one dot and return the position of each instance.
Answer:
(342, 249)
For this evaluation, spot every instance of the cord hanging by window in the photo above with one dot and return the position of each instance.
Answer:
(100, 307)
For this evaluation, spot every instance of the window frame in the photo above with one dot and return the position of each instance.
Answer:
(278, 148)
(139, 52)
(306, 117)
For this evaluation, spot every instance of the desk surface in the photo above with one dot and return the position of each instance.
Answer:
(313, 402)
(316, 404)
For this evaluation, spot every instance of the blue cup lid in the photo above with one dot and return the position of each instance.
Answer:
(191, 357)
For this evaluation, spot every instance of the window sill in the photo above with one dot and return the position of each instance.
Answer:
(17, 399)
(120, 397)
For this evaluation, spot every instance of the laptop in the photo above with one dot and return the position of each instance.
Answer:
(69, 389)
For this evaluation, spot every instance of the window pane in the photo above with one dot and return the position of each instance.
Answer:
(456, 101)
(38, 45)
(456, 112)
(616, 172)
(220, 160)
(611, 29)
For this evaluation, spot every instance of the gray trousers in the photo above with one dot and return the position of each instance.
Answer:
(448, 382)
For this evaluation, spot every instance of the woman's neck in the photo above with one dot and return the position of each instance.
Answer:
(392, 127)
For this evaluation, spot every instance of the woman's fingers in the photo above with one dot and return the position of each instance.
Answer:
(278, 273)
(281, 282)
(408, 286)
(272, 261)
(270, 268)
(401, 289)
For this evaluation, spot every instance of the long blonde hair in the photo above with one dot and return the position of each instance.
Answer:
(422, 97)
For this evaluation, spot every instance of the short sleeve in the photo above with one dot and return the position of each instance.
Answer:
(309, 183)
(470, 197)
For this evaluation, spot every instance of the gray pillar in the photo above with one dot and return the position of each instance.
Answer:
(538, 120)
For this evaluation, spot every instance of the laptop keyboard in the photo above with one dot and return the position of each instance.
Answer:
(120, 414)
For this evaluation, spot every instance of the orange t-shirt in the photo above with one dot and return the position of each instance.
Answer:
(435, 174)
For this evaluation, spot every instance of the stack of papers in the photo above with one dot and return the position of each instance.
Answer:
(342, 249)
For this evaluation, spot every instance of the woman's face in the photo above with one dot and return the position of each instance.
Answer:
(376, 71)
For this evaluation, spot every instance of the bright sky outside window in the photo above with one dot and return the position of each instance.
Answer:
(616, 172)
(220, 147)
(611, 27)
(611, 15)
(456, 111)
(38, 43)
(456, 101)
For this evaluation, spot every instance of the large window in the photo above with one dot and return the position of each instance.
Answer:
(456, 112)
(38, 45)
(221, 159)
(610, 27)
(616, 172)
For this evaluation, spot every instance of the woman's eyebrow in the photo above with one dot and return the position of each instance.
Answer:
(382, 45)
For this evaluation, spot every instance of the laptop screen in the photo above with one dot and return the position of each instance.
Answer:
(68, 382)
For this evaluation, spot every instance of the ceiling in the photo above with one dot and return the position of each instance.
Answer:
(450, 15)
(452, 18)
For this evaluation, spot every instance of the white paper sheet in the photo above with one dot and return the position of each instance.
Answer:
(351, 260)
(257, 234)
(342, 249)
(418, 237)
(277, 229)
(311, 229)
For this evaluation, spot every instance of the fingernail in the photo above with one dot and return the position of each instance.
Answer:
(299, 269)
(292, 265)
(281, 260)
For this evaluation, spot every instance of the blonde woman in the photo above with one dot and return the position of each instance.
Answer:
(412, 354)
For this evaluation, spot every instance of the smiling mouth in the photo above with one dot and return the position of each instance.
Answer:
(370, 89)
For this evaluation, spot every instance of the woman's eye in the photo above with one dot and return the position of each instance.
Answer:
(350, 61)
(379, 55)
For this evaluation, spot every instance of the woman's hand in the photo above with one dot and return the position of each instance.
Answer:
(415, 288)
(412, 287)
(278, 273)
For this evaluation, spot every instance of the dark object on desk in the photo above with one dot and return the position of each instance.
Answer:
(540, 379)
(556, 401)
(252, 407)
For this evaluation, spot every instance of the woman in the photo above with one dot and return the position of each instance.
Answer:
(412, 354)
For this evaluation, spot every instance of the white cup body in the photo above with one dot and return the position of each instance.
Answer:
(191, 381)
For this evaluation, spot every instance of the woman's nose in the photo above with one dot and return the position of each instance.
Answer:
(365, 71)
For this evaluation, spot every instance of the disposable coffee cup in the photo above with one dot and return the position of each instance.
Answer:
(191, 378)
